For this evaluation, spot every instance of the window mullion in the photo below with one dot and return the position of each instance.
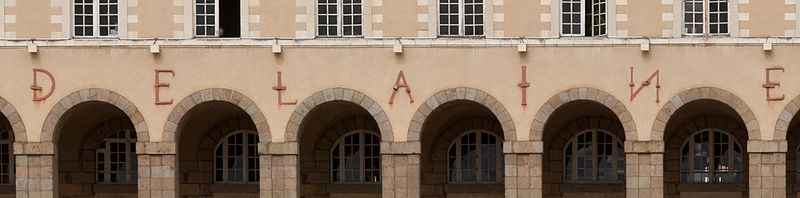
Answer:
(107, 160)
(731, 160)
(96, 19)
(478, 157)
(583, 18)
(690, 157)
(461, 19)
(458, 160)
(361, 147)
(339, 18)
(614, 157)
(216, 18)
(574, 159)
(594, 157)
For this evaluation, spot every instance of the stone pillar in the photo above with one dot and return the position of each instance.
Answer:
(767, 168)
(156, 170)
(279, 170)
(644, 169)
(523, 169)
(400, 169)
(35, 174)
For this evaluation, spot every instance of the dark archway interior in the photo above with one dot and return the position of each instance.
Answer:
(564, 123)
(442, 126)
(687, 120)
(792, 171)
(199, 131)
(77, 136)
(7, 187)
(319, 130)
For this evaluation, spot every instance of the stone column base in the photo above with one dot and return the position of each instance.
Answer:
(644, 175)
(401, 175)
(767, 177)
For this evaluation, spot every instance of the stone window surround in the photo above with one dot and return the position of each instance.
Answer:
(433, 20)
(311, 22)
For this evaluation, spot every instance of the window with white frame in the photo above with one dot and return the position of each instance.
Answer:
(583, 17)
(116, 158)
(96, 18)
(236, 158)
(475, 157)
(594, 156)
(711, 156)
(6, 157)
(339, 18)
(461, 18)
(355, 158)
(217, 18)
(705, 17)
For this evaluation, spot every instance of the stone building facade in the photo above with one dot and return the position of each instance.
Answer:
(399, 98)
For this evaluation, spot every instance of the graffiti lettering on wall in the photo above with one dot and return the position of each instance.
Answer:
(646, 83)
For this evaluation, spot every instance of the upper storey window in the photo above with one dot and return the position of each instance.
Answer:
(339, 18)
(461, 18)
(217, 18)
(96, 18)
(582, 18)
(705, 17)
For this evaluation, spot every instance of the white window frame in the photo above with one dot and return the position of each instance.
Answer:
(216, 19)
(707, 19)
(462, 20)
(362, 135)
(499, 163)
(573, 145)
(732, 145)
(131, 166)
(340, 19)
(96, 19)
(223, 143)
(583, 23)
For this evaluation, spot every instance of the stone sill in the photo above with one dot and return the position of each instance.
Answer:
(234, 188)
(354, 188)
(474, 188)
(408, 42)
(741, 187)
(115, 188)
(593, 188)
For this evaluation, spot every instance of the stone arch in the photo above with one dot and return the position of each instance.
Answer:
(13, 117)
(787, 114)
(706, 93)
(462, 93)
(338, 94)
(94, 95)
(586, 94)
(216, 94)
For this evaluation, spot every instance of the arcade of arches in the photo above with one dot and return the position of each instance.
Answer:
(339, 142)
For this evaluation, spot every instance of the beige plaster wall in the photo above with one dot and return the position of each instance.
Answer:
(155, 18)
(252, 71)
(32, 18)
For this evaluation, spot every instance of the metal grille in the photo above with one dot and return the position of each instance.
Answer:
(711, 156)
(206, 19)
(594, 156)
(475, 158)
(236, 158)
(572, 17)
(116, 158)
(355, 158)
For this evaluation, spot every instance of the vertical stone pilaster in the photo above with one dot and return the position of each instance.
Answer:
(278, 176)
(156, 170)
(767, 168)
(35, 176)
(401, 175)
(523, 168)
(644, 169)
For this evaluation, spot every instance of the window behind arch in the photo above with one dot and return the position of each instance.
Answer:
(355, 158)
(594, 156)
(475, 157)
(116, 158)
(236, 158)
(711, 156)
